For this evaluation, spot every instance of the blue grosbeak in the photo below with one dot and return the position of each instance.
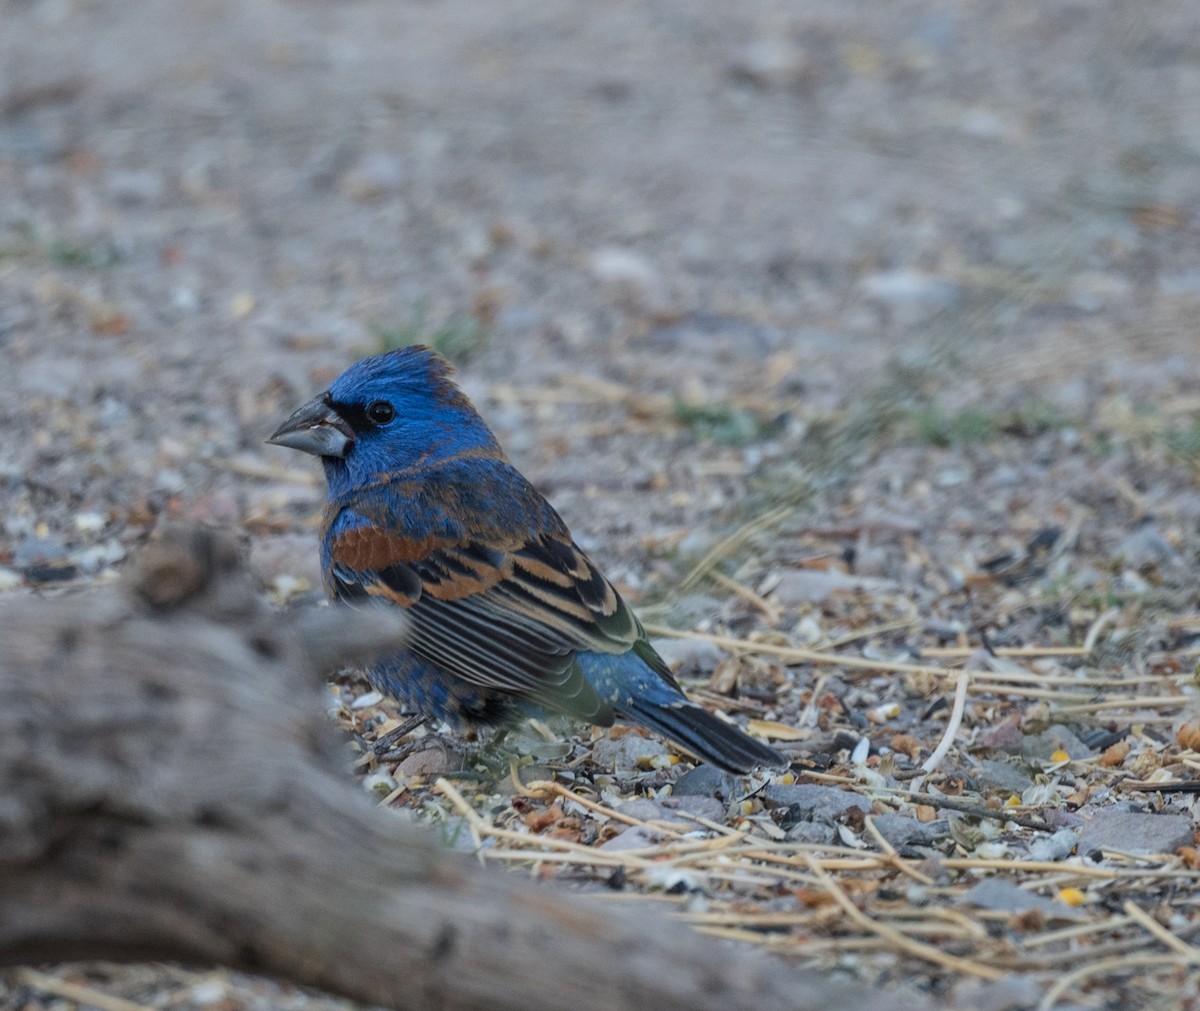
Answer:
(509, 618)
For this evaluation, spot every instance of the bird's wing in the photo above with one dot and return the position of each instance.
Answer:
(502, 611)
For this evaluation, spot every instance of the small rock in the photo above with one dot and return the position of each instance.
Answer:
(1130, 582)
(1145, 547)
(642, 809)
(1005, 736)
(1004, 896)
(708, 808)
(39, 551)
(432, 761)
(90, 522)
(901, 830)
(1039, 747)
(1003, 777)
(670, 809)
(809, 802)
(1060, 817)
(813, 833)
(627, 752)
(706, 781)
(688, 658)
(1135, 832)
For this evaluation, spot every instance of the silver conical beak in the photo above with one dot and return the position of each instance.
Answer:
(315, 428)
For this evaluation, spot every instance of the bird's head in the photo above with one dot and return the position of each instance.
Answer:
(384, 414)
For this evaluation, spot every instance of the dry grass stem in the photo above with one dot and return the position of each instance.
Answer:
(84, 995)
(1151, 925)
(1103, 967)
(952, 725)
(898, 940)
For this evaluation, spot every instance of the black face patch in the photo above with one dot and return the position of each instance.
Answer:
(355, 415)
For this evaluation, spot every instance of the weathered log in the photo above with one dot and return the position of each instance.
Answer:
(170, 788)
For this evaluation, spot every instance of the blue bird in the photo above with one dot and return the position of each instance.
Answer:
(509, 618)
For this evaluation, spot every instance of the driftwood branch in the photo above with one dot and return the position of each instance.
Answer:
(170, 788)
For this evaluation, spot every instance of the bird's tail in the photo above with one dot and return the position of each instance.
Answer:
(706, 736)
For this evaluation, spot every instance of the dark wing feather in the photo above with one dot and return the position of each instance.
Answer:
(509, 617)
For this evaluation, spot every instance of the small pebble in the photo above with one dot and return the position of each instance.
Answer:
(1136, 832)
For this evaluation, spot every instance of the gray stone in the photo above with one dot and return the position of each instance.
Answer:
(627, 752)
(433, 761)
(1005, 736)
(39, 551)
(901, 830)
(1060, 817)
(809, 802)
(1145, 546)
(706, 781)
(1039, 747)
(1002, 776)
(673, 810)
(708, 808)
(642, 809)
(1004, 896)
(813, 833)
(1135, 832)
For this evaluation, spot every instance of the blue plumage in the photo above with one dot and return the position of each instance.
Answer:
(510, 619)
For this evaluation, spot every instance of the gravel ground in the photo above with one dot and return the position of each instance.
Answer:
(917, 282)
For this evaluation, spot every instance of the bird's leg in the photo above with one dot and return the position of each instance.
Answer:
(385, 743)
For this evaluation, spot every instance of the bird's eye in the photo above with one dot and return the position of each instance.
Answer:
(381, 412)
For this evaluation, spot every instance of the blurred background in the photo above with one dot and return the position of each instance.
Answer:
(775, 301)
